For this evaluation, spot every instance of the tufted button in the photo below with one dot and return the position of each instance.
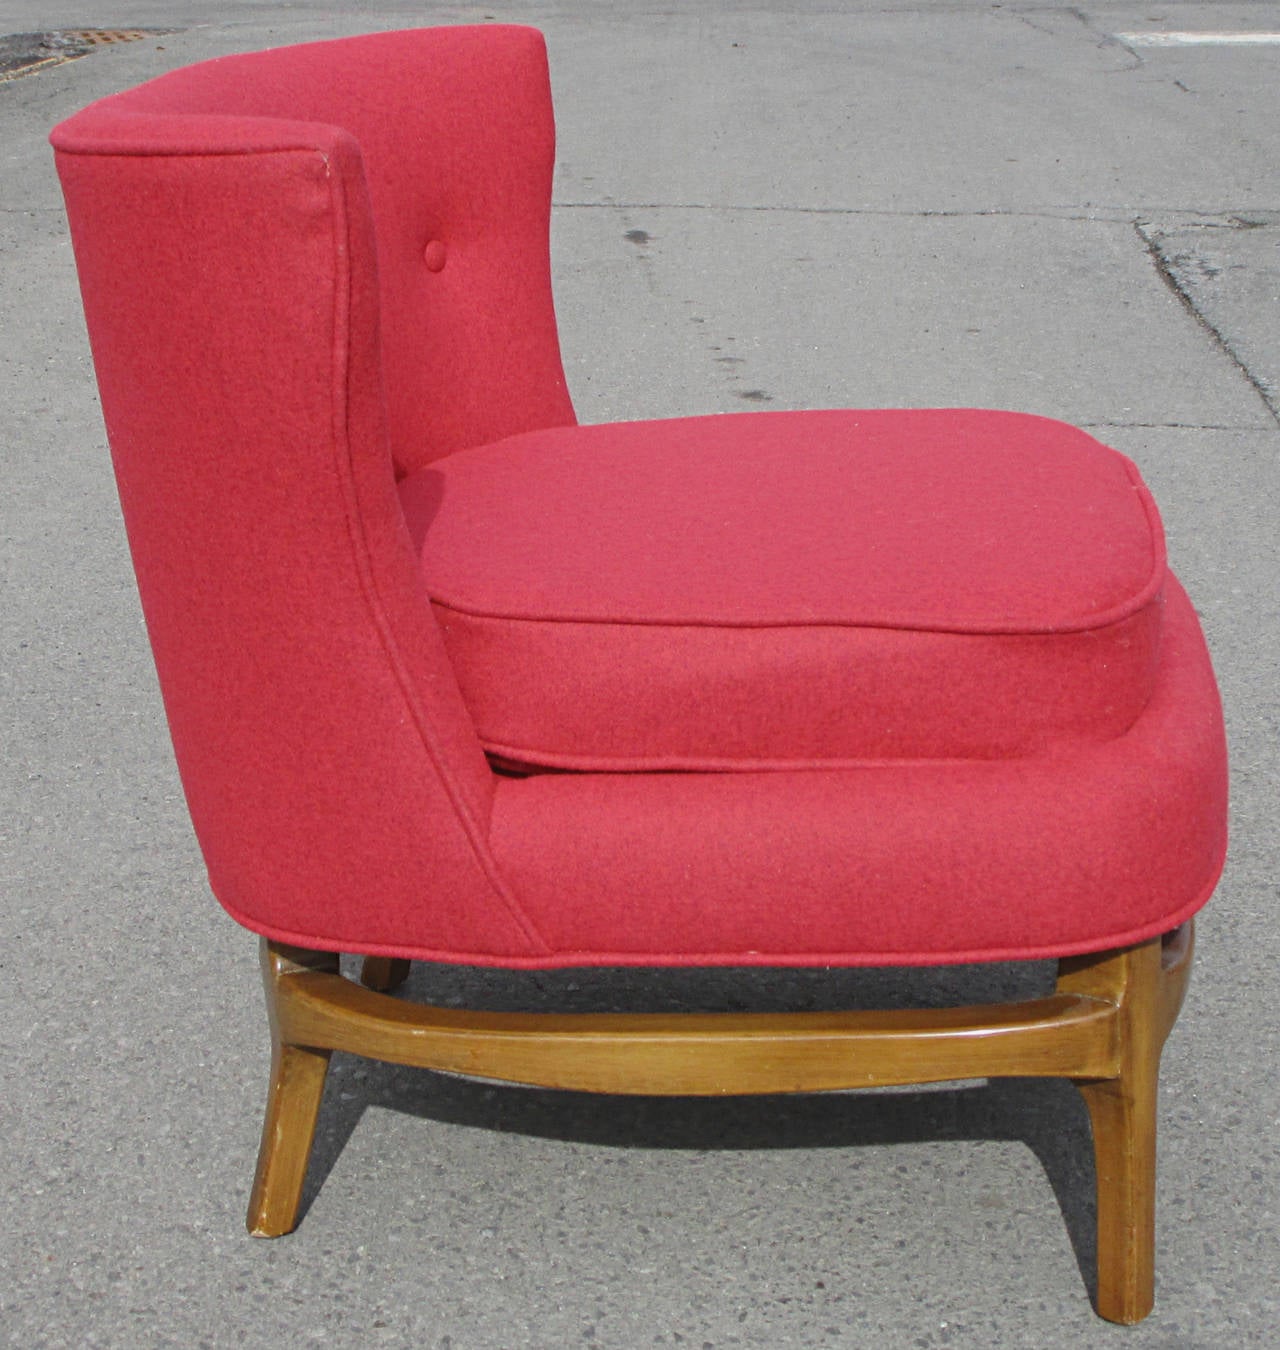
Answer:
(433, 256)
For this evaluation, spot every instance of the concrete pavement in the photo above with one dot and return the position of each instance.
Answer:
(761, 205)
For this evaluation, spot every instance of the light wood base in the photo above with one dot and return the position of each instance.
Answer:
(1103, 1027)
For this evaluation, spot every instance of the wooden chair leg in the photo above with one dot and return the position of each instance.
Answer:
(1122, 1111)
(383, 973)
(293, 1103)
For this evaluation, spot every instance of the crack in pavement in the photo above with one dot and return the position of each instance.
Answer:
(1253, 218)
(1114, 215)
(1167, 426)
(1152, 241)
(1103, 41)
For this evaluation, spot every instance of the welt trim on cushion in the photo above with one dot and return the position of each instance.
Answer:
(905, 623)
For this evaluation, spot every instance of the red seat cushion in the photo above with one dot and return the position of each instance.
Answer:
(790, 590)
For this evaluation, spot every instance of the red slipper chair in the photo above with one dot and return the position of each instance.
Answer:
(452, 678)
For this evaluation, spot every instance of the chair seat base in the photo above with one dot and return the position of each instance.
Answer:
(1103, 1027)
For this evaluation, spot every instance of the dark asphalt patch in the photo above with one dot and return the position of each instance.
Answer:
(27, 53)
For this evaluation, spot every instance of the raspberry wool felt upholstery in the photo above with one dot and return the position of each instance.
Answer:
(890, 863)
(793, 589)
(234, 289)
(311, 272)
(454, 143)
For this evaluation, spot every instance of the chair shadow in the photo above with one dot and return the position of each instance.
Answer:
(1047, 1115)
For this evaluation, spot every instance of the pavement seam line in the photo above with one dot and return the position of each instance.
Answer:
(1150, 239)
(1114, 216)
(1101, 215)
(1173, 426)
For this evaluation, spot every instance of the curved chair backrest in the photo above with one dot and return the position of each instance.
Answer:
(298, 267)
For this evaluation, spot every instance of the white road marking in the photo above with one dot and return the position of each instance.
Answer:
(1219, 39)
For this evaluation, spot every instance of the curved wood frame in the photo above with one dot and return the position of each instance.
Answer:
(1103, 1027)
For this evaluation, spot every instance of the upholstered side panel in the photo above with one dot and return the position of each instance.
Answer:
(336, 787)
(889, 864)
(456, 131)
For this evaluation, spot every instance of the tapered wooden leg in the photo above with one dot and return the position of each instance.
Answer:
(293, 1102)
(1123, 1114)
(383, 973)
(1124, 1142)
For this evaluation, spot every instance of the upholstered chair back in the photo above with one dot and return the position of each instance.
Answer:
(301, 305)
(453, 139)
